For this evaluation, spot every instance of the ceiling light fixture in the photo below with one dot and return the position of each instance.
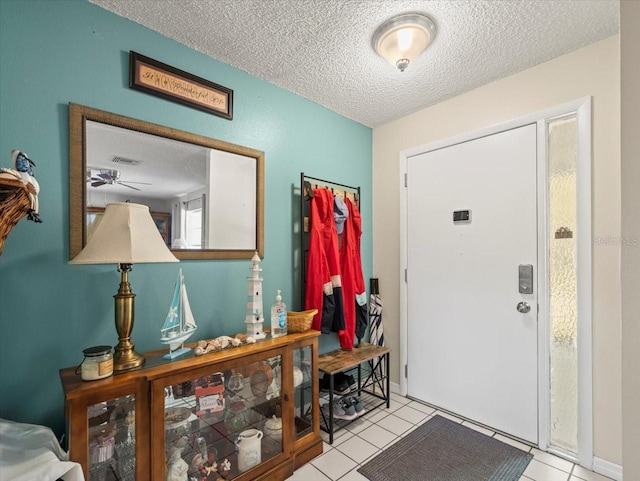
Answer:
(400, 40)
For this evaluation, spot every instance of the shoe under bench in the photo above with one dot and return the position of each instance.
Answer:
(369, 364)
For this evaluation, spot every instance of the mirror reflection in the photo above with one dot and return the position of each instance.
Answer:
(204, 195)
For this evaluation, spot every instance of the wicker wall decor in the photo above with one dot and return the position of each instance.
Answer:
(14, 203)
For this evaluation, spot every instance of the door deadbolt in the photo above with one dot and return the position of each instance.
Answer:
(525, 279)
(523, 307)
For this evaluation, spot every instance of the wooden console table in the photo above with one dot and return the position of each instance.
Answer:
(143, 424)
(373, 389)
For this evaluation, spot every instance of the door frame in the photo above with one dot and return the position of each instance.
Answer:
(582, 109)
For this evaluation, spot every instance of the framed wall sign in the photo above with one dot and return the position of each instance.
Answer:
(157, 78)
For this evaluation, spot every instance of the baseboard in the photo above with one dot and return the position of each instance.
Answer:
(395, 388)
(607, 468)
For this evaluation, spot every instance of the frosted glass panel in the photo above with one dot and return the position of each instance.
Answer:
(562, 283)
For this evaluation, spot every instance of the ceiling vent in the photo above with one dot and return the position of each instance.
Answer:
(122, 160)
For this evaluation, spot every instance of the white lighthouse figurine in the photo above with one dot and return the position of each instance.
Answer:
(255, 316)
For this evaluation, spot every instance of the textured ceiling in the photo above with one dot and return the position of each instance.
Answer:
(321, 49)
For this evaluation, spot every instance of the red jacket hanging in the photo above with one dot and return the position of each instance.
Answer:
(324, 283)
(353, 290)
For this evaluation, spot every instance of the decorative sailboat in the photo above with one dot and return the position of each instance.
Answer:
(180, 324)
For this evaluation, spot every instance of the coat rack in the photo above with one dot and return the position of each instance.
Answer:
(307, 186)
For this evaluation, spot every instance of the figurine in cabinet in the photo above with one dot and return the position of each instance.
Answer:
(204, 462)
(177, 467)
(225, 467)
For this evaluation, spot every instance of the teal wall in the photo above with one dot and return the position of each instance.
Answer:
(56, 52)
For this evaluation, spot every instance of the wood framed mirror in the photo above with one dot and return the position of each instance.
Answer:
(205, 195)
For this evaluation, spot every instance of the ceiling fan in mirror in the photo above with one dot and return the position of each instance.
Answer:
(110, 177)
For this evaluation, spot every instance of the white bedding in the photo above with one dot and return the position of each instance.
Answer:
(29, 452)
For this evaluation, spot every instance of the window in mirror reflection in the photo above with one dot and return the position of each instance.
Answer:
(193, 223)
(194, 229)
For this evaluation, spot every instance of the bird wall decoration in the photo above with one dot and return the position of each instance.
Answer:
(23, 170)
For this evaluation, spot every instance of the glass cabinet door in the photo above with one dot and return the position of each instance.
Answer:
(303, 395)
(224, 422)
(112, 441)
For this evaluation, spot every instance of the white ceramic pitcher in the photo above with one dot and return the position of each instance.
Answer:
(249, 449)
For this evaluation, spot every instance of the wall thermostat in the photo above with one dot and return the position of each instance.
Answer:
(461, 216)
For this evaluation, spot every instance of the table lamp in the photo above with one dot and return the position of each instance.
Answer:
(126, 235)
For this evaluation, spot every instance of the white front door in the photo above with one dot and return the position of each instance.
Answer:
(470, 350)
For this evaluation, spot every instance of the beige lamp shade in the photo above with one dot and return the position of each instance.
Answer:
(126, 235)
(402, 39)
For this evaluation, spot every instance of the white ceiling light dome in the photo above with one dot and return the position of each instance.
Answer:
(400, 40)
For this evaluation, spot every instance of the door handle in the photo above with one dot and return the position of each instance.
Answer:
(523, 307)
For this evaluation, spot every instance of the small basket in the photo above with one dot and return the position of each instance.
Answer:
(300, 321)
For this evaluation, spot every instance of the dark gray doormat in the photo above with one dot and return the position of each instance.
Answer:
(443, 450)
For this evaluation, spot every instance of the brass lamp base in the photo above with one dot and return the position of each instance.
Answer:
(124, 357)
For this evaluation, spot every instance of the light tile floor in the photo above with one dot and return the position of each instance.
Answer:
(370, 434)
